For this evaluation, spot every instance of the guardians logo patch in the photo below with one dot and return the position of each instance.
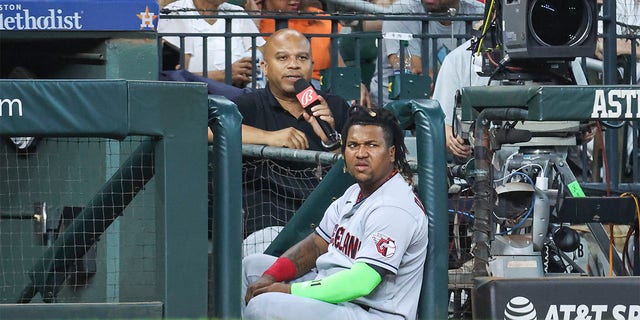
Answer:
(384, 244)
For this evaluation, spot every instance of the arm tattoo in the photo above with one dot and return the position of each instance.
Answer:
(304, 253)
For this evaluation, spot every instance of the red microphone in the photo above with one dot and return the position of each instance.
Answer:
(308, 98)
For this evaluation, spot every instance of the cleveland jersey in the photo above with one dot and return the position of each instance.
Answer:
(387, 229)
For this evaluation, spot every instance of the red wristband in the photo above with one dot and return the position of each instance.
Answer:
(282, 270)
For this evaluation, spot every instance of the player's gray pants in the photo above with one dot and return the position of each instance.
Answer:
(282, 306)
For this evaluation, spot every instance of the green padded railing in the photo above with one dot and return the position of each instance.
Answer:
(555, 103)
(430, 141)
(227, 205)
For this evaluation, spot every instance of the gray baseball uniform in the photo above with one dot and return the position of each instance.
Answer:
(388, 229)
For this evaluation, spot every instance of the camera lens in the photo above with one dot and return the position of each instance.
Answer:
(560, 22)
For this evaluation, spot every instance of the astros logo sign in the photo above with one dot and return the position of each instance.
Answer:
(146, 19)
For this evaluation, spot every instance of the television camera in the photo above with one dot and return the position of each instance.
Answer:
(535, 40)
(521, 172)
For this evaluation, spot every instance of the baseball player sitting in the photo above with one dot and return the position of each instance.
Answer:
(365, 259)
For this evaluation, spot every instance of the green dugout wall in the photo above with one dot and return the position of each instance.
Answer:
(173, 117)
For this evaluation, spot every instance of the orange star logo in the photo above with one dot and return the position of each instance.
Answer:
(146, 19)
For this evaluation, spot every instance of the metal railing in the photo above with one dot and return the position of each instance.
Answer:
(428, 52)
(604, 72)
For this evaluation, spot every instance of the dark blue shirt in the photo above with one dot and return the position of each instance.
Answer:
(261, 110)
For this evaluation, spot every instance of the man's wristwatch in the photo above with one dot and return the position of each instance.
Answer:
(335, 141)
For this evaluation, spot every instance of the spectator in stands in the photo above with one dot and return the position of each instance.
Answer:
(627, 24)
(376, 25)
(273, 116)
(459, 69)
(365, 259)
(321, 46)
(194, 57)
(391, 47)
(363, 30)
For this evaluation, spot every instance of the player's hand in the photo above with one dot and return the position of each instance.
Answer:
(321, 110)
(241, 72)
(456, 145)
(264, 281)
(288, 138)
(274, 287)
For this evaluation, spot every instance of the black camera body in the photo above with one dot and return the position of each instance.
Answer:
(549, 28)
(536, 40)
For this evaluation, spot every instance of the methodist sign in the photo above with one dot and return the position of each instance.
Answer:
(79, 15)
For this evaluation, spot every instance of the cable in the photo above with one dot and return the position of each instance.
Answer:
(611, 248)
(522, 221)
(502, 63)
(635, 200)
(485, 27)
(470, 215)
(531, 165)
(499, 66)
(517, 170)
(507, 160)
(605, 162)
(545, 259)
(526, 177)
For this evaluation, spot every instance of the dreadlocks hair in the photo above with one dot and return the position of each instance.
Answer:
(393, 134)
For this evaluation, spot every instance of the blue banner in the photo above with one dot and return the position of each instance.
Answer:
(79, 15)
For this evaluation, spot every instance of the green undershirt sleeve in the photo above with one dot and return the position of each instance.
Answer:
(346, 285)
